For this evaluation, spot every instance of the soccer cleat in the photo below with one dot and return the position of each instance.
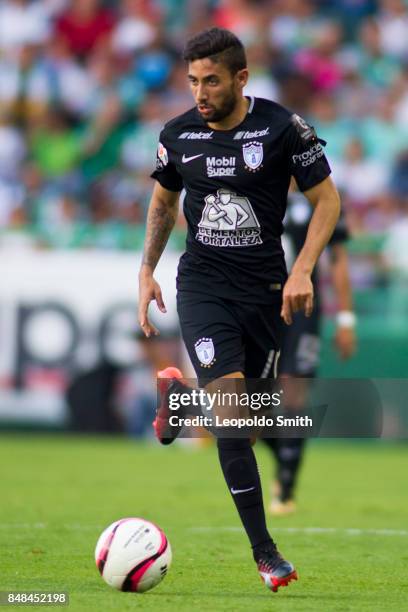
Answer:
(278, 507)
(166, 433)
(275, 572)
(282, 508)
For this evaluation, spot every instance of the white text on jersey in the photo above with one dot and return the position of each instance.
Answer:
(221, 166)
(254, 134)
(196, 135)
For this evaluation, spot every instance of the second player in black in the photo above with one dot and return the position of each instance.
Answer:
(235, 156)
(300, 347)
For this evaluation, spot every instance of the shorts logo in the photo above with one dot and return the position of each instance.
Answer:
(204, 348)
(253, 155)
(307, 353)
(228, 220)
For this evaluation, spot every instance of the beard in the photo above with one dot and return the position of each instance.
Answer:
(223, 111)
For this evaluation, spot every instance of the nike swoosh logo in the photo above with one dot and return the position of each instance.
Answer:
(235, 491)
(185, 159)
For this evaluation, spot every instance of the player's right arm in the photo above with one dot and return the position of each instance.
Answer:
(161, 217)
(309, 167)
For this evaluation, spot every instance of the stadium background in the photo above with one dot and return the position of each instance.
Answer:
(85, 87)
(81, 107)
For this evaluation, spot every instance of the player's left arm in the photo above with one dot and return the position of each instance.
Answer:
(298, 290)
(345, 337)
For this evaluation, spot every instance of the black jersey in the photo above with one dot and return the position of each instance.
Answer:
(236, 183)
(296, 223)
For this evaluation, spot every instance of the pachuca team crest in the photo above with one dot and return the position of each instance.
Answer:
(253, 155)
(204, 349)
(228, 220)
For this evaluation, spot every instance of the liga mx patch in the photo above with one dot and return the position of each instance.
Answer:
(162, 154)
(204, 348)
(305, 131)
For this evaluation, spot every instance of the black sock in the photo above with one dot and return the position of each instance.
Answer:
(272, 444)
(240, 470)
(289, 455)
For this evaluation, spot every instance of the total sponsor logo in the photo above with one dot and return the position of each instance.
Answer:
(310, 156)
(255, 134)
(221, 166)
(196, 135)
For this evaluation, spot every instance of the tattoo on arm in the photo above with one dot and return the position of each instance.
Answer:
(160, 221)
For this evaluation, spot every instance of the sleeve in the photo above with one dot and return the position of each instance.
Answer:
(166, 172)
(306, 157)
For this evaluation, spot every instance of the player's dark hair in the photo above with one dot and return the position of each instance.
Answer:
(220, 46)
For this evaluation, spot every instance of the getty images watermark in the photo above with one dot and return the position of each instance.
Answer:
(227, 403)
(288, 407)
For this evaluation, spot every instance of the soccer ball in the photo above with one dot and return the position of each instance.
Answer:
(133, 555)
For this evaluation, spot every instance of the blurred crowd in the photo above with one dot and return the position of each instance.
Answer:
(85, 86)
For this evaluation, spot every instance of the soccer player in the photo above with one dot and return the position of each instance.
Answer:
(301, 344)
(235, 154)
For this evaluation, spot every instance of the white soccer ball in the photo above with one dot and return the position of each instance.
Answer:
(133, 555)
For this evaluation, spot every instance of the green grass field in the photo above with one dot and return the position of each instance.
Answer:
(58, 493)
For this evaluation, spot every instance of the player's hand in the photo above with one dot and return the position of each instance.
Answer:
(297, 295)
(149, 290)
(345, 341)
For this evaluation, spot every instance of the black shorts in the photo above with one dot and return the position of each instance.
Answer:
(301, 346)
(224, 336)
